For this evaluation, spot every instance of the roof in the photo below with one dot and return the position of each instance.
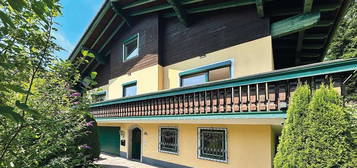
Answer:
(301, 45)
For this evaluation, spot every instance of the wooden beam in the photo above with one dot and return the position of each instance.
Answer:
(306, 9)
(103, 31)
(111, 36)
(324, 23)
(136, 3)
(97, 56)
(88, 65)
(315, 36)
(143, 2)
(319, 7)
(180, 12)
(119, 12)
(187, 2)
(294, 24)
(307, 6)
(206, 8)
(151, 9)
(98, 38)
(223, 5)
(260, 7)
(313, 46)
(310, 55)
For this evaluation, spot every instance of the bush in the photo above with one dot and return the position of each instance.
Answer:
(292, 137)
(328, 137)
(317, 132)
(90, 141)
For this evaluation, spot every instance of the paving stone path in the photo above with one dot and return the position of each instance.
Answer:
(110, 161)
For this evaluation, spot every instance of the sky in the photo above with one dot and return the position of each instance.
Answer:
(77, 15)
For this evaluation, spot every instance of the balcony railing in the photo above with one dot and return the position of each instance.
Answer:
(261, 93)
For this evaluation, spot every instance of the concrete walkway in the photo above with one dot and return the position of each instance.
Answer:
(110, 161)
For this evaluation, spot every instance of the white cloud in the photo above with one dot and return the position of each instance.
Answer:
(64, 43)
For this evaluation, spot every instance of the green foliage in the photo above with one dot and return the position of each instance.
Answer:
(328, 136)
(91, 139)
(292, 138)
(317, 132)
(43, 121)
(344, 46)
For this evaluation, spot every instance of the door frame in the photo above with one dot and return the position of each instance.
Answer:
(130, 137)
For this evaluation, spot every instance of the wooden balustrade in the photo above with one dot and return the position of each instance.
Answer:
(258, 97)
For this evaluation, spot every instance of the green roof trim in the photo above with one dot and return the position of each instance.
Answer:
(294, 24)
(206, 68)
(129, 83)
(131, 38)
(207, 116)
(329, 67)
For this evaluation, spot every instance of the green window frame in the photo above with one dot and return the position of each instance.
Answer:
(168, 140)
(130, 42)
(212, 144)
(205, 70)
(127, 85)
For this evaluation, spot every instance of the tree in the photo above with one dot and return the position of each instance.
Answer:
(292, 138)
(41, 116)
(344, 46)
(317, 132)
(329, 142)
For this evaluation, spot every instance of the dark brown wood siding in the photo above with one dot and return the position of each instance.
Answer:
(103, 75)
(174, 42)
(147, 27)
(210, 32)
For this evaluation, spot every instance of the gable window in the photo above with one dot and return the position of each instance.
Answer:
(212, 144)
(205, 74)
(129, 89)
(168, 140)
(131, 47)
(98, 97)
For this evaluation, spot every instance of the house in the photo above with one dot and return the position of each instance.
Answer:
(205, 83)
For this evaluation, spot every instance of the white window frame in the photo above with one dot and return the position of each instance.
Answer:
(137, 41)
(199, 144)
(178, 141)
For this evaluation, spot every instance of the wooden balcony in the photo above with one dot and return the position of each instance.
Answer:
(257, 94)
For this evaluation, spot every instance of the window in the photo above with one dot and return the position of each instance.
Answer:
(195, 79)
(208, 73)
(131, 47)
(129, 89)
(168, 140)
(98, 97)
(212, 144)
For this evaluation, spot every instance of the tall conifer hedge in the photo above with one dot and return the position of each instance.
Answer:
(317, 132)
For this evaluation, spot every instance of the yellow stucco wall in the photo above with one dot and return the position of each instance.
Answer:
(248, 58)
(249, 146)
(148, 80)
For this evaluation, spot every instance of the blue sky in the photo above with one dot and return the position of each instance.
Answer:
(77, 15)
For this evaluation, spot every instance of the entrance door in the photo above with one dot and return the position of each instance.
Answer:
(136, 144)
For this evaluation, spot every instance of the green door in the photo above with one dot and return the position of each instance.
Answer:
(109, 138)
(136, 144)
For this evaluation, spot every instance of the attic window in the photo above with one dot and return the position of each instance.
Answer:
(131, 47)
